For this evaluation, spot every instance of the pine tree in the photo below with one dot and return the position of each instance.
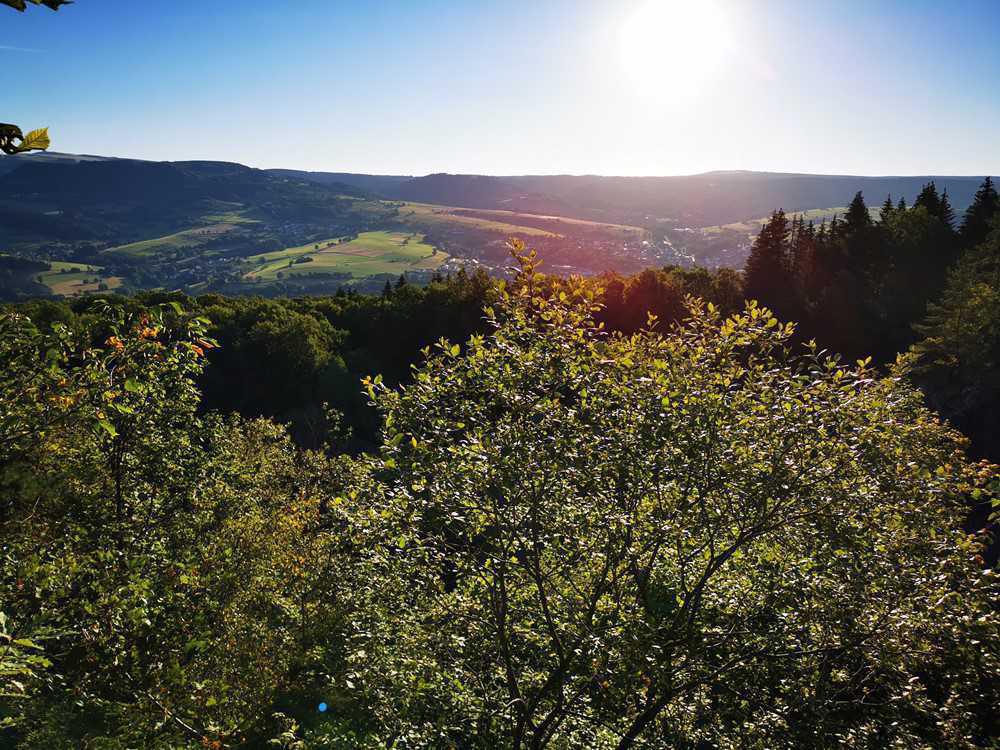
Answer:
(979, 216)
(803, 246)
(947, 213)
(387, 290)
(888, 208)
(929, 200)
(857, 218)
(901, 206)
(768, 269)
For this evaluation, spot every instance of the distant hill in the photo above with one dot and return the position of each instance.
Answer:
(696, 200)
(66, 197)
(706, 199)
(373, 183)
(94, 180)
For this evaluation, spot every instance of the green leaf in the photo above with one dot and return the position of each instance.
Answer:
(132, 385)
(107, 427)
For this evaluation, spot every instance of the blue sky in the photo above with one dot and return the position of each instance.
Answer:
(515, 87)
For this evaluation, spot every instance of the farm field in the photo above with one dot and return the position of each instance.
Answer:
(71, 279)
(430, 215)
(370, 254)
(532, 220)
(187, 238)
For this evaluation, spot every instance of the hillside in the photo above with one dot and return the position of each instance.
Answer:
(713, 198)
(205, 225)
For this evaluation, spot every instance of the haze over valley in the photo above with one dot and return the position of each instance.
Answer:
(218, 226)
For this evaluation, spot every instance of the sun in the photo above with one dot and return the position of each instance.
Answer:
(670, 48)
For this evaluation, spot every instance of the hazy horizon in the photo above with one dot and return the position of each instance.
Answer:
(633, 88)
(538, 174)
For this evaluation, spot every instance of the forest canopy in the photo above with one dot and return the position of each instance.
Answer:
(700, 536)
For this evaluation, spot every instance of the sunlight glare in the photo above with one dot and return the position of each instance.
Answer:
(670, 48)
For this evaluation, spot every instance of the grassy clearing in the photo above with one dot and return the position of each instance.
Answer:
(371, 254)
(229, 217)
(68, 279)
(188, 238)
(430, 215)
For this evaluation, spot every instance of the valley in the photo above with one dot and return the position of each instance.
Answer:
(200, 226)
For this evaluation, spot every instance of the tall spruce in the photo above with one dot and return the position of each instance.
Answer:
(888, 208)
(768, 269)
(857, 217)
(929, 199)
(947, 213)
(979, 215)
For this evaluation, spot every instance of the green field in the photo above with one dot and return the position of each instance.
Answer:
(70, 279)
(371, 254)
(188, 238)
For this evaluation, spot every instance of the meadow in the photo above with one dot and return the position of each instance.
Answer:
(186, 238)
(369, 254)
(70, 279)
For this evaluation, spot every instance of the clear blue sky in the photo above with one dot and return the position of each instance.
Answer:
(514, 87)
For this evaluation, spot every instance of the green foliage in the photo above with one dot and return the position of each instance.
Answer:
(164, 575)
(960, 348)
(569, 538)
(684, 540)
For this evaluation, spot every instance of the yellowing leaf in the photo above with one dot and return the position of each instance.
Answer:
(36, 140)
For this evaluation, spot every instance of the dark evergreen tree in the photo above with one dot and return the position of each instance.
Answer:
(803, 247)
(947, 213)
(387, 290)
(857, 217)
(888, 207)
(929, 200)
(768, 269)
(979, 215)
(901, 206)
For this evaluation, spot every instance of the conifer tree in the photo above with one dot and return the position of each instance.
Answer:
(857, 217)
(901, 206)
(979, 215)
(887, 210)
(768, 271)
(803, 249)
(929, 200)
(947, 213)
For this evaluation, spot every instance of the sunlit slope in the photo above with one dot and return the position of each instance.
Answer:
(369, 254)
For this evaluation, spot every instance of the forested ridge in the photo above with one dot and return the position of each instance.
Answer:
(647, 511)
